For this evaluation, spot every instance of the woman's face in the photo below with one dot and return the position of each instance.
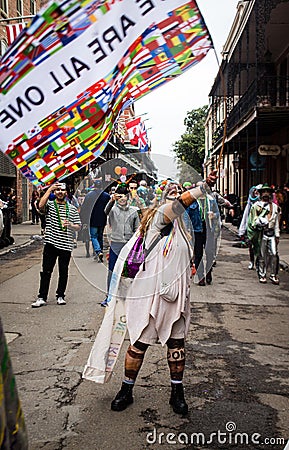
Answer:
(174, 191)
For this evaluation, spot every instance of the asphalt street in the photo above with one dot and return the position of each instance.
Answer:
(237, 369)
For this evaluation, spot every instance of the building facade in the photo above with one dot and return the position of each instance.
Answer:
(13, 12)
(247, 127)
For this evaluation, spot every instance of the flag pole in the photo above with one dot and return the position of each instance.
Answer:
(16, 18)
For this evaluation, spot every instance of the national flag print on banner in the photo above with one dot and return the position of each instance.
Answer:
(72, 71)
(143, 138)
(12, 31)
(133, 127)
(137, 134)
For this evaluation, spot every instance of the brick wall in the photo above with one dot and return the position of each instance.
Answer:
(23, 188)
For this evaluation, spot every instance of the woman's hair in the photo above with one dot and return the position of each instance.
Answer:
(149, 214)
(147, 217)
(35, 194)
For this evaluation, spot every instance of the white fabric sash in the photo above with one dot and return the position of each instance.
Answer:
(110, 337)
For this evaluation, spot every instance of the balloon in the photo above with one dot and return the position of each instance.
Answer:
(117, 170)
(123, 170)
(122, 178)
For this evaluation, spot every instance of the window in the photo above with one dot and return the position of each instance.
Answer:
(19, 7)
(4, 8)
(33, 7)
(3, 46)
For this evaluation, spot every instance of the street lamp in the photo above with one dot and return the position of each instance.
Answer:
(236, 161)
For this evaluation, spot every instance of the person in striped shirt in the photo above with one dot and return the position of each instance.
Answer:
(62, 220)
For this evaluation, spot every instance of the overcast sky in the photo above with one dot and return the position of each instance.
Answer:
(168, 105)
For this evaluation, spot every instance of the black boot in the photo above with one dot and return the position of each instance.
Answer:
(177, 399)
(209, 277)
(123, 398)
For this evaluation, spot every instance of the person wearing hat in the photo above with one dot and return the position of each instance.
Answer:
(264, 233)
(143, 192)
(188, 185)
(62, 221)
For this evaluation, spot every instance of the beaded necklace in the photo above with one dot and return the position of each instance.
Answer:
(169, 239)
(203, 205)
(58, 214)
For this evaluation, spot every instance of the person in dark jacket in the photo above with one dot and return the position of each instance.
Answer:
(34, 211)
(93, 217)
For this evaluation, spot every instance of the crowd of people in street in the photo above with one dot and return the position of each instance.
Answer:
(159, 240)
(120, 211)
(150, 234)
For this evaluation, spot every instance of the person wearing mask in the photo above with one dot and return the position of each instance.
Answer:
(253, 197)
(155, 305)
(264, 232)
(143, 192)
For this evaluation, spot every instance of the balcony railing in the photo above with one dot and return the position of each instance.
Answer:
(265, 92)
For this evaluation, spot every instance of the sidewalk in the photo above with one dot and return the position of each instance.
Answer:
(23, 234)
(283, 247)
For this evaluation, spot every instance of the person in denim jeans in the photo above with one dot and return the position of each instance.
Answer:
(124, 221)
(92, 215)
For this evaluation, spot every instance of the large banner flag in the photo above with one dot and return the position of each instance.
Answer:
(67, 77)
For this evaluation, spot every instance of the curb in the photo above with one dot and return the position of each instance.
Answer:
(230, 229)
(15, 247)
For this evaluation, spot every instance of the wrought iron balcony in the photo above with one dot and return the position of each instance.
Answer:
(267, 92)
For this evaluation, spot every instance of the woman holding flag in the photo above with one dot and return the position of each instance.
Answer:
(155, 305)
